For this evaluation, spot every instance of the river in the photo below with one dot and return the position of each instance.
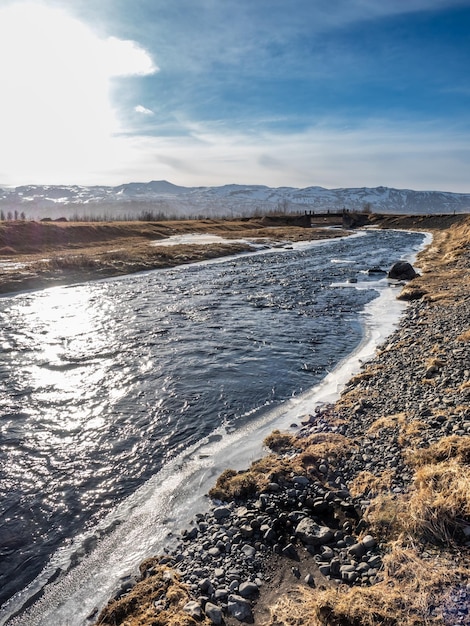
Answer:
(121, 400)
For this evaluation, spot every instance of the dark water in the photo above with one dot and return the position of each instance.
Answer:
(102, 383)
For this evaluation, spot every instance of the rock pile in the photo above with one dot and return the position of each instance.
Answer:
(223, 555)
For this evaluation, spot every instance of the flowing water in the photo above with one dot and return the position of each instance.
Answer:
(105, 385)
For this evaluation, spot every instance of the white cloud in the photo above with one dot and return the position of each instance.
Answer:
(378, 153)
(143, 110)
(56, 118)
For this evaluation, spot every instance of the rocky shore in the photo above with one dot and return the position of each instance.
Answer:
(362, 516)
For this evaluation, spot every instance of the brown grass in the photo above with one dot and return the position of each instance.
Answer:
(370, 485)
(439, 504)
(279, 442)
(157, 599)
(436, 510)
(453, 447)
(408, 430)
(414, 592)
(442, 278)
(329, 446)
(233, 485)
(464, 336)
(310, 452)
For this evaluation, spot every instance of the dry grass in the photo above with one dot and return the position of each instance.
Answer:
(453, 447)
(465, 336)
(233, 485)
(436, 509)
(366, 484)
(369, 372)
(279, 442)
(324, 446)
(387, 422)
(414, 592)
(307, 454)
(407, 430)
(439, 504)
(383, 514)
(157, 599)
(442, 278)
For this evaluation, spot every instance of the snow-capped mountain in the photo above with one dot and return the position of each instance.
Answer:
(162, 198)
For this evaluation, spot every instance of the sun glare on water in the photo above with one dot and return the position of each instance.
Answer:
(70, 334)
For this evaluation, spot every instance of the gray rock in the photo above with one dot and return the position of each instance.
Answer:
(214, 613)
(335, 567)
(369, 542)
(326, 553)
(375, 561)
(290, 552)
(193, 609)
(221, 595)
(402, 270)
(248, 550)
(221, 512)
(358, 550)
(313, 534)
(206, 587)
(214, 551)
(248, 589)
(324, 569)
(301, 480)
(240, 609)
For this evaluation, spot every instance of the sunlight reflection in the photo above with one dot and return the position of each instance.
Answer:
(72, 337)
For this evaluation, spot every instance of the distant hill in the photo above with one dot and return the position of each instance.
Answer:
(162, 198)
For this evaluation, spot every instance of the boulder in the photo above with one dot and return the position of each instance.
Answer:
(193, 609)
(248, 589)
(402, 270)
(240, 608)
(312, 534)
(214, 613)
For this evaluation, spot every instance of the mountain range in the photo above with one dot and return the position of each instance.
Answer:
(162, 198)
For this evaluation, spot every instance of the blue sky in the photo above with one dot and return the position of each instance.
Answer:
(337, 93)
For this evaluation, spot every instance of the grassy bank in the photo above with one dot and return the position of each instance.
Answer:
(34, 255)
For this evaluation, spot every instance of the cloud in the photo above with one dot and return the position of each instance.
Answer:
(372, 154)
(56, 116)
(143, 110)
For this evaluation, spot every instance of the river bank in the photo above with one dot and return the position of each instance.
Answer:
(364, 516)
(36, 255)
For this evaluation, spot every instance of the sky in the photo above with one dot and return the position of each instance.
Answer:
(336, 93)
